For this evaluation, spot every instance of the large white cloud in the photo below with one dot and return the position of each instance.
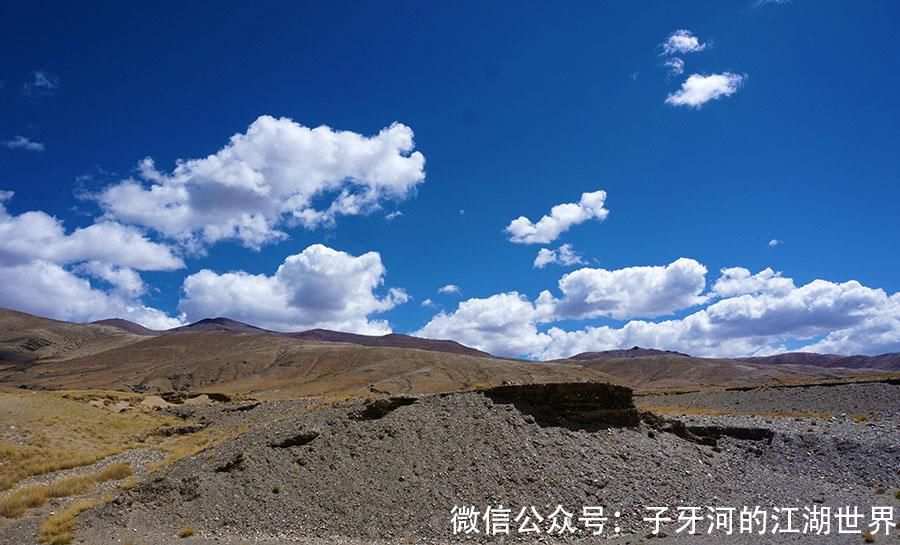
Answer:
(47, 289)
(561, 218)
(852, 315)
(627, 293)
(319, 287)
(699, 89)
(748, 314)
(278, 173)
(682, 41)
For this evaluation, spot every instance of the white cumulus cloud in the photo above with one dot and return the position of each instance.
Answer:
(739, 281)
(277, 174)
(319, 287)
(745, 314)
(45, 270)
(47, 289)
(504, 325)
(628, 292)
(699, 89)
(37, 235)
(561, 218)
(449, 288)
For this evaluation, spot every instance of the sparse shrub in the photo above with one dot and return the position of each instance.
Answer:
(276, 489)
(15, 503)
(59, 529)
(879, 490)
(115, 472)
(186, 531)
(897, 494)
(868, 537)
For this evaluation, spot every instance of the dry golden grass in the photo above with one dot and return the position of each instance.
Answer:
(186, 531)
(115, 472)
(59, 529)
(188, 445)
(42, 432)
(15, 503)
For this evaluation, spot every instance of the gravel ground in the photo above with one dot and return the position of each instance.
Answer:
(305, 475)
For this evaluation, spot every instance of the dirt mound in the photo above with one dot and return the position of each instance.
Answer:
(302, 473)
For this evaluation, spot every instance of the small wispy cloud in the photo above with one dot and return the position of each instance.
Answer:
(428, 303)
(41, 84)
(564, 255)
(449, 288)
(393, 215)
(675, 66)
(699, 89)
(775, 242)
(22, 142)
(761, 3)
(682, 41)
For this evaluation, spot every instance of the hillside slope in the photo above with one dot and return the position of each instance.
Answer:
(268, 365)
(25, 338)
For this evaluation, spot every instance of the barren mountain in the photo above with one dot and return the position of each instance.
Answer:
(267, 365)
(633, 352)
(685, 372)
(888, 362)
(130, 327)
(395, 340)
(231, 357)
(25, 338)
(227, 325)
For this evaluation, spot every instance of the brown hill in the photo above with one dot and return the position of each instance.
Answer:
(130, 327)
(218, 325)
(633, 352)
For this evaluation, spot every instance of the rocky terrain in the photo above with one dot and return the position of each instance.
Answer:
(393, 469)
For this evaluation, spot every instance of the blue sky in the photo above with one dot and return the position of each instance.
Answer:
(787, 132)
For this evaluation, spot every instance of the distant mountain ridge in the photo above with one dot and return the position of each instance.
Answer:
(889, 361)
(227, 325)
(220, 353)
(633, 352)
